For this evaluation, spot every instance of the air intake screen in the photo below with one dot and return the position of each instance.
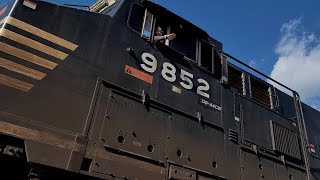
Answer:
(235, 79)
(285, 140)
(260, 92)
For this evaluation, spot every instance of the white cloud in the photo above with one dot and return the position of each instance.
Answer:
(255, 63)
(298, 64)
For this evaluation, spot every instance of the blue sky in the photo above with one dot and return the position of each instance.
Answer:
(281, 38)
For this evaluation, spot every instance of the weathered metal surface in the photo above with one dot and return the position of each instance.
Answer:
(86, 94)
(176, 172)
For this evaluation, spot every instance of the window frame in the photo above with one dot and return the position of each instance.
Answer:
(152, 25)
(196, 60)
(199, 53)
(130, 14)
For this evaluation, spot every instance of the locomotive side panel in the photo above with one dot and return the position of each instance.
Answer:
(313, 128)
(49, 68)
(61, 50)
(88, 94)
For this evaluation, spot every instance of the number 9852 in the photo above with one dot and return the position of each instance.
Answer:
(168, 72)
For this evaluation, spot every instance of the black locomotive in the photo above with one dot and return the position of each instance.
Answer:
(88, 93)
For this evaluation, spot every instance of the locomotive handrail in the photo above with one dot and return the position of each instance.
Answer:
(298, 108)
(260, 73)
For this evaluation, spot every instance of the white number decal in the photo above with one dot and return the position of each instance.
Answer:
(200, 89)
(151, 61)
(169, 73)
(185, 76)
(169, 69)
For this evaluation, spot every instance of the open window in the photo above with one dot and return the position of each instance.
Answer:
(190, 42)
(148, 25)
(145, 21)
(206, 55)
(185, 41)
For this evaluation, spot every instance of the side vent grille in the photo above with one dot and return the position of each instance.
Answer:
(235, 79)
(285, 140)
(260, 92)
(233, 136)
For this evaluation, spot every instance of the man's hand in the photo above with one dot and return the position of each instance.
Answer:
(171, 36)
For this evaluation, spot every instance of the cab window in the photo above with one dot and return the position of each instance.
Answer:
(148, 24)
(206, 55)
(184, 42)
(143, 21)
(136, 17)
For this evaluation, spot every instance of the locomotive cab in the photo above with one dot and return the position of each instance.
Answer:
(191, 43)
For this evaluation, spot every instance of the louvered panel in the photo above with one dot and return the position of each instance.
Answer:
(235, 79)
(263, 93)
(260, 93)
(233, 135)
(285, 140)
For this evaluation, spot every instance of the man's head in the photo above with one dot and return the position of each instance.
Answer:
(159, 31)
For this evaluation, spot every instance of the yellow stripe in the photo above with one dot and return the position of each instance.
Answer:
(38, 136)
(15, 83)
(41, 33)
(18, 68)
(33, 44)
(27, 56)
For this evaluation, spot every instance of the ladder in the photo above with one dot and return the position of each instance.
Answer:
(303, 133)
